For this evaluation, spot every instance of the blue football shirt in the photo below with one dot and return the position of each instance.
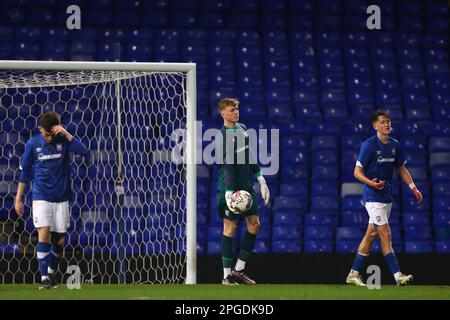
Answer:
(47, 165)
(378, 161)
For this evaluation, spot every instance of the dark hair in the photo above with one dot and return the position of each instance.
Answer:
(48, 120)
(378, 113)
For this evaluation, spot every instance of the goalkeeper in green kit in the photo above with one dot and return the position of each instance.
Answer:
(236, 172)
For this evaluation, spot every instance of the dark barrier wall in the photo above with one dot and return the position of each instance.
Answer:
(264, 268)
(328, 268)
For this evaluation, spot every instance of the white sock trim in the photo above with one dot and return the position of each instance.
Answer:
(363, 254)
(240, 265)
(42, 255)
(226, 272)
(397, 275)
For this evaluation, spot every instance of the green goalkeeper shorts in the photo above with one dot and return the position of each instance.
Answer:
(225, 213)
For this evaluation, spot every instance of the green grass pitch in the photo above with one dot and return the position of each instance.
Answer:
(219, 292)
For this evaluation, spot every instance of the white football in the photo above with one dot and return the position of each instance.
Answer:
(242, 201)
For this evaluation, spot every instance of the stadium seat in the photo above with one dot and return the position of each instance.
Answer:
(324, 142)
(321, 218)
(294, 189)
(349, 233)
(419, 247)
(291, 203)
(442, 233)
(439, 144)
(294, 174)
(303, 67)
(213, 247)
(352, 203)
(298, 157)
(9, 248)
(410, 219)
(286, 246)
(324, 188)
(442, 246)
(325, 173)
(312, 246)
(416, 232)
(437, 160)
(324, 157)
(347, 246)
(261, 247)
(441, 219)
(325, 203)
(318, 233)
(441, 204)
(416, 158)
(351, 142)
(286, 232)
(354, 219)
(287, 218)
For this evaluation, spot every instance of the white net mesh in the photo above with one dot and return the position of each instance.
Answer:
(137, 236)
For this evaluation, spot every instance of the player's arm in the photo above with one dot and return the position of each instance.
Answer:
(256, 170)
(365, 154)
(75, 145)
(400, 161)
(228, 169)
(406, 177)
(374, 183)
(26, 167)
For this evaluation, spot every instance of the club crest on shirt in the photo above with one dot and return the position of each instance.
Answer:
(39, 149)
(59, 146)
(378, 152)
(393, 151)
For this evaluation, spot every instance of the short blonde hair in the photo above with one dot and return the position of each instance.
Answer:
(227, 102)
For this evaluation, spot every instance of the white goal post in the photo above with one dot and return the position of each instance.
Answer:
(125, 112)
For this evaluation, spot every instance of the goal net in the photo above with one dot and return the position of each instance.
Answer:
(133, 208)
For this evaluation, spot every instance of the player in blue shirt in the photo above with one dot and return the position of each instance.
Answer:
(46, 161)
(378, 157)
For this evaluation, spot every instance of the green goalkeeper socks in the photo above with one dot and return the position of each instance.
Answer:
(247, 245)
(226, 247)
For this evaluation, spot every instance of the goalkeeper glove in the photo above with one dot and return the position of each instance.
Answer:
(265, 193)
(228, 196)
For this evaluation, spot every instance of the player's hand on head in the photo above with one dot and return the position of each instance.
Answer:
(228, 196)
(58, 130)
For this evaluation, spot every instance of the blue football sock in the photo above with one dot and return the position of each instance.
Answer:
(358, 262)
(43, 255)
(392, 262)
(55, 254)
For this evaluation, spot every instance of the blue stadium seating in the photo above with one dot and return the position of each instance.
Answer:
(319, 233)
(302, 66)
(313, 246)
(321, 218)
(287, 218)
(286, 246)
(419, 246)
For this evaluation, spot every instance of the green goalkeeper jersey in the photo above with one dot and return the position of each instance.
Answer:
(239, 166)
